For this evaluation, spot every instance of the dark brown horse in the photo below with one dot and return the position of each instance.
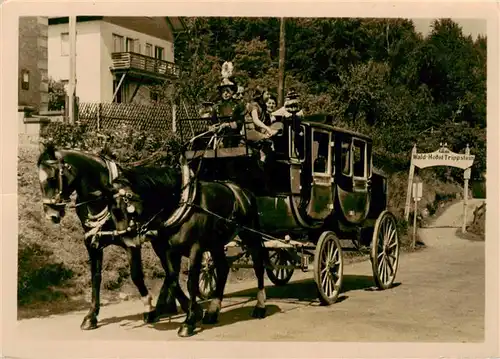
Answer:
(206, 219)
(63, 172)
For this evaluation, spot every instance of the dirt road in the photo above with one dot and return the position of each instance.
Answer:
(439, 297)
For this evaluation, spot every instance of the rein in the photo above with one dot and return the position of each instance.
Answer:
(231, 221)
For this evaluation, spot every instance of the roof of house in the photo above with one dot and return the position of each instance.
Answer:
(175, 23)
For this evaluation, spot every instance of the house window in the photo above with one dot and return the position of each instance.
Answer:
(65, 44)
(159, 52)
(130, 45)
(25, 79)
(359, 159)
(117, 43)
(149, 50)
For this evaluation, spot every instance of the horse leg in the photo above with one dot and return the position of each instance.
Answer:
(222, 268)
(95, 257)
(165, 304)
(195, 312)
(137, 275)
(173, 260)
(258, 257)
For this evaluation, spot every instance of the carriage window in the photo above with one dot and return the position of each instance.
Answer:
(332, 156)
(346, 158)
(297, 143)
(320, 149)
(359, 154)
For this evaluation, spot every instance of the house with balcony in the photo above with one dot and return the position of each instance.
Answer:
(118, 59)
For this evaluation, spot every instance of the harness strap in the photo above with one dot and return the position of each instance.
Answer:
(112, 168)
(99, 215)
(189, 191)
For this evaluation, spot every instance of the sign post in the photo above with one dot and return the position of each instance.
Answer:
(410, 180)
(417, 196)
(442, 157)
(466, 192)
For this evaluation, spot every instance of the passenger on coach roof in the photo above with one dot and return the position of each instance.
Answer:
(255, 118)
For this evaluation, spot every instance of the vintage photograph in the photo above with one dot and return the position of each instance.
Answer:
(291, 179)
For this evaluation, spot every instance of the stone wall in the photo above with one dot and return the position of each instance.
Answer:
(33, 62)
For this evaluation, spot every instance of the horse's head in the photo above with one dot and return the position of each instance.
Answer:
(56, 182)
(125, 206)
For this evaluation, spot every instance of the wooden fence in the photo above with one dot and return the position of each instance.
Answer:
(162, 118)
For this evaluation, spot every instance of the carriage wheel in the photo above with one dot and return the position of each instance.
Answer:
(208, 277)
(280, 276)
(328, 267)
(385, 250)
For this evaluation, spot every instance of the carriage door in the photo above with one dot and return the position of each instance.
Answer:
(361, 174)
(321, 197)
(297, 148)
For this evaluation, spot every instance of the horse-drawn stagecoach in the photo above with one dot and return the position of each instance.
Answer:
(316, 192)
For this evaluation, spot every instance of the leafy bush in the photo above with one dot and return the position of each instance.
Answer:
(125, 143)
(57, 95)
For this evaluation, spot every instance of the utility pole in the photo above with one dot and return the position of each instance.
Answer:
(72, 69)
(281, 81)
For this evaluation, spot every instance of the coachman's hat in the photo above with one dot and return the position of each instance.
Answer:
(227, 77)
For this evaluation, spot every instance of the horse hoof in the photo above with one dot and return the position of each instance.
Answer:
(186, 331)
(150, 317)
(211, 317)
(259, 312)
(88, 323)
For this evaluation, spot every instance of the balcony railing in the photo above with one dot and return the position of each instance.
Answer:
(134, 61)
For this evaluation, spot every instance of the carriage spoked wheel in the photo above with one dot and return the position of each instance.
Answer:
(208, 277)
(385, 250)
(328, 268)
(280, 276)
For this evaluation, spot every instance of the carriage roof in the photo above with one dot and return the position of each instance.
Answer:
(322, 121)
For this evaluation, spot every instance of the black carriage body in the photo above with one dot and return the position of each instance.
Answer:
(319, 177)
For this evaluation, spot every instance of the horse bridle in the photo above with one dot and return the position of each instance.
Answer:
(58, 199)
(126, 197)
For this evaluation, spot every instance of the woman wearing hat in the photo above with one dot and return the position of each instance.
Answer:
(256, 127)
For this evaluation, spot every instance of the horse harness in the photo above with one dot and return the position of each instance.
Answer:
(97, 221)
(58, 199)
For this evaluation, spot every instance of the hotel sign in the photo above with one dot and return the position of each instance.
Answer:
(442, 157)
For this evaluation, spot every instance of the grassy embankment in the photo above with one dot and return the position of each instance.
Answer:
(52, 259)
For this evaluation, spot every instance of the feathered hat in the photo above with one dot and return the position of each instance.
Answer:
(227, 77)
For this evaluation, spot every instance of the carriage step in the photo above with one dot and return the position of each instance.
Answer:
(274, 243)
